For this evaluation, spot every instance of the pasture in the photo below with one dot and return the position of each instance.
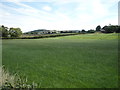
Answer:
(80, 61)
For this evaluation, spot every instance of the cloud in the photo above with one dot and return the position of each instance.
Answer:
(27, 10)
(47, 8)
(119, 13)
(58, 14)
(63, 1)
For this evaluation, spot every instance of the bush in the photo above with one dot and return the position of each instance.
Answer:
(7, 81)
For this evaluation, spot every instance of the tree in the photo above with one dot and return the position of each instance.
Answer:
(3, 31)
(107, 29)
(117, 29)
(111, 29)
(91, 31)
(83, 31)
(15, 32)
(98, 28)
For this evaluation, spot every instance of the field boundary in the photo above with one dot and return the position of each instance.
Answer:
(41, 36)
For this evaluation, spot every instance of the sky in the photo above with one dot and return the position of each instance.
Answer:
(58, 14)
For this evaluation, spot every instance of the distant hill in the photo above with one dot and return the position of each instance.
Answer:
(44, 31)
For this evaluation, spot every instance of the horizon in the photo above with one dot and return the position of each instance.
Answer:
(58, 14)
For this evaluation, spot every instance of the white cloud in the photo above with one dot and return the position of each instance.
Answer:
(61, 1)
(87, 15)
(47, 8)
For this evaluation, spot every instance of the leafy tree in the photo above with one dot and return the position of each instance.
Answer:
(98, 28)
(91, 31)
(111, 29)
(83, 31)
(15, 32)
(107, 29)
(117, 29)
(3, 31)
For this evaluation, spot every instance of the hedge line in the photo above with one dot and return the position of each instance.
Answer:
(37, 37)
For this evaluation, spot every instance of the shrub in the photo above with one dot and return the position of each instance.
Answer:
(8, 81)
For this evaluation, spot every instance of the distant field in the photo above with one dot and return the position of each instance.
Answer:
(81, 61)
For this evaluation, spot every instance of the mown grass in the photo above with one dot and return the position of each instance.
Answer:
(81, 61)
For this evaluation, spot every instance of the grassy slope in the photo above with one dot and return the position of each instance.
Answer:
(73, 61)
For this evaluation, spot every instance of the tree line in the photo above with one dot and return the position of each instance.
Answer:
(16, 32)
(10, 32)
(105, 29)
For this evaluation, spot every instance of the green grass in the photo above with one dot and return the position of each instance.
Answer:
(81, 61)
(9, 81)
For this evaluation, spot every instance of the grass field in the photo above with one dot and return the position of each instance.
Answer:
(81, 61)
